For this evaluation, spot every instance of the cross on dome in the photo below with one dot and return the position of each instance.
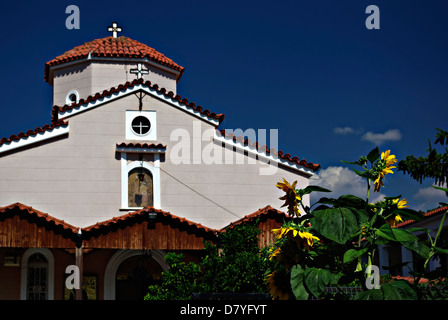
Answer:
(114, 29)
(139, 71)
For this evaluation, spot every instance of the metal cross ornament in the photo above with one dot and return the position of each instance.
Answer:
(114, 29)
(139, 71)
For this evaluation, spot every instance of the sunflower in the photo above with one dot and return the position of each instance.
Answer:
(303, 238)
(400, 203)
(275, 290)
(308, 239)
(385, 164)
(280, 232)
(396, 219)
(292, 199)
(274, 253)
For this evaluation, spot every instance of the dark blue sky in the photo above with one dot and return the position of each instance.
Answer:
(303, 67)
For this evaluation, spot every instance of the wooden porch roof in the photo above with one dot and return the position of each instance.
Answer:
(148, 228)
(26, 227)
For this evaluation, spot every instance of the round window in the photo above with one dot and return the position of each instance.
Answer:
(141, 125)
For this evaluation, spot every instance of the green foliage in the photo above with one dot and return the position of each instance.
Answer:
(338, 223)
(316, 280)
(238, 267)
(298, 283)
(335, 244)
(433, 166)
(178, 282)
(396, 290)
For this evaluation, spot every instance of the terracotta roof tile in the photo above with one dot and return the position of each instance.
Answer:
(30, 132)
(145, 211)
(440, 210)
(263, 148)
(27, 210)
(121, 47)
(266, 212)
(141, 145)
(127, 85)
(410, 279)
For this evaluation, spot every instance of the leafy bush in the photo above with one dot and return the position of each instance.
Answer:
(240, 266)
(178, 282)
(237, 267)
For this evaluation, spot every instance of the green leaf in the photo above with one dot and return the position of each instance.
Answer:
(440, 188)
(358, 163)
(398, 290)
(392, 198)
(444, 251)
(310, 189)
(416, 229)
(409, 214)
(361, 216)
(394, 234)
(297, 283)
(348, 200)
(374, 294)
(316, 280)
(325, 200)
(361, 161)
(373, 155)
(418, 247)
(337, 224)
(353, 254)
(363, 174)
(335, 278)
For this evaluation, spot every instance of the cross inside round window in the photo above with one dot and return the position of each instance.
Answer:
(141, 125)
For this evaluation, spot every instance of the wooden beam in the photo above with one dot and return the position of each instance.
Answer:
(79, 264)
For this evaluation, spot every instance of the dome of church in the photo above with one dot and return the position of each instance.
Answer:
(111, 47)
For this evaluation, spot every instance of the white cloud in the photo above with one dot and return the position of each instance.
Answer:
(429, 192)
(431, 195)
(376, 197)
(379, 138)
(428, 198)
(344, 130)
(340, 181)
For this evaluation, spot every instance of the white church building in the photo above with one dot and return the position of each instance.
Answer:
(125, 171)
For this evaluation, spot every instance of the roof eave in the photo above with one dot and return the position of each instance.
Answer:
(98, 99)
(51, 67)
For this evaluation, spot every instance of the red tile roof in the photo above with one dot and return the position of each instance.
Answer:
(127, 85)
(145, 211)
(30, 211)
(121, 47)
(263, 148)
(410, 279)
(141, 145)
(30, 132)
(266, 212)
(440, 210)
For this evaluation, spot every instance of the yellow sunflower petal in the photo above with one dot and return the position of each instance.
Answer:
(402, 204)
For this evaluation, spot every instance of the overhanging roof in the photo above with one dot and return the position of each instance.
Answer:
(110, 47)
